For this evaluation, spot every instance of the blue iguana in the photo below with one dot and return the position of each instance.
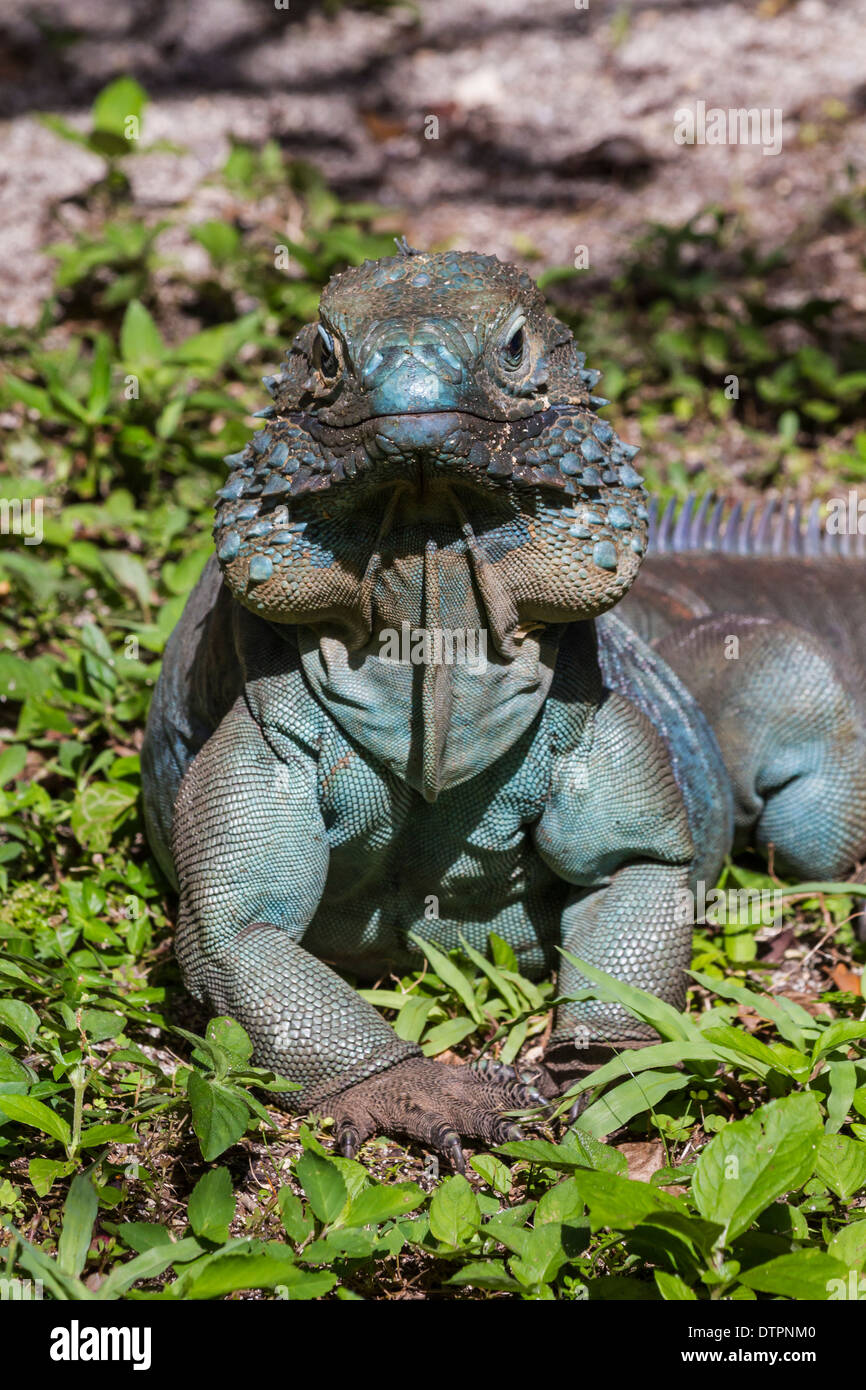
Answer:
(433, 465)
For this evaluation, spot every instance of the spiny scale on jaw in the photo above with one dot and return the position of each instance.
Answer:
(552, 498)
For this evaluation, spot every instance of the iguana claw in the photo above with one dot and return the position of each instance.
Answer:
(437, 1105)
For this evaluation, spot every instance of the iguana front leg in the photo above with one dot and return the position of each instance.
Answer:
(251, 851)
(616, 827)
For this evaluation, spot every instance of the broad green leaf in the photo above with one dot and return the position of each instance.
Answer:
(454, 1212)
(494, 1172)
(842, 1165)
(219, 1115)
(805, 1275)
(12, 761)
(212, 1206)
(96, 811)
(561, 1203)
(79, 1214)
(270, 1268)
(751, 1162)
(672, 1288)
(129, 573)
(849, 1245)
(19, 1018)
(539, 1253)
(27, 1111)
(122, 98)
(140, 342)
(622, 1203)
(44, 1173)
(323, 1184)
(484, 1274)
(227, 1034)
(632, 1098)
(545, 1152)
(377, 1204)
(220, 239)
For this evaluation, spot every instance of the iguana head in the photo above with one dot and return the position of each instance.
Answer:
(433, 430)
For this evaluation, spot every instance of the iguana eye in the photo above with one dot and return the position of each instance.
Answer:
(514, 348)
(324, 355)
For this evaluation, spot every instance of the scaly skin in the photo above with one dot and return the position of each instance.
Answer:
(432, 460)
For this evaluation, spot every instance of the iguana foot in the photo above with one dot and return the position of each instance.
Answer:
(433, 1103)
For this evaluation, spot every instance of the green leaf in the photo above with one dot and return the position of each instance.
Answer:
(212, 1206)
(751, 1162)
(841, 1165)
(632, 1098)
(12, 762)
(226, 1033)
(496, 978)
(484, 1274)
(503, 955)
(27, 1111)
(454, 1212)
(121, 98)
(805, 1275)
(297, 1222)
(670, 1023)
(788, 1017)
(849, 1245)
(450, 974)
(410, 1021)
(376, 1204)
(140, 342)
(843, 1084)
(446, 1035)
(107, 1134)
(270, 1268)
(672, 1288)
(96, 811)
(44, 1173)
(19, 1018)
(622, 1203)
(129, 573)
(148, 1265)
(540, 1253)
(219, 1115)
(220, 239)
(100, 378)
(79, 1214)
(844, 1030)
(323, 1184)
(494, 1172)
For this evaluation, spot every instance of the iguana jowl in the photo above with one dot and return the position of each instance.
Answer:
(432, 458)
